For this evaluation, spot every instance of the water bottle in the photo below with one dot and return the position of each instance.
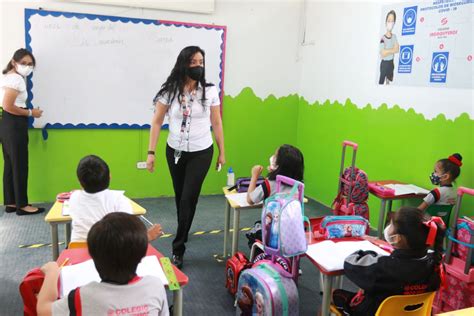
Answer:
(230, 177)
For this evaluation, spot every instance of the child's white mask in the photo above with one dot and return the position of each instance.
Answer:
(390, 26)
(388, 237)
(273, 165)
(24, 70)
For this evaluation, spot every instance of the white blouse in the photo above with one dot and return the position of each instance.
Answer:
(199, 128)
(16, 82)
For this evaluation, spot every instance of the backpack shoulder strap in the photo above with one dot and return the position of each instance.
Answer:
(266, 188)
(74, 302)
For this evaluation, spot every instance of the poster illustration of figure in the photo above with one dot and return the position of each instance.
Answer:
(388, 48)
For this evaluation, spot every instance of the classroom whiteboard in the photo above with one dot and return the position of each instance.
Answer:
(96, 71)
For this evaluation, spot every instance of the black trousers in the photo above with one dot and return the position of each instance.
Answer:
(14, 137)
(188, 176)
(386, 70)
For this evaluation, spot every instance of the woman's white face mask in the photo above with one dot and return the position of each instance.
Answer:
(388, 237)
(24, 70)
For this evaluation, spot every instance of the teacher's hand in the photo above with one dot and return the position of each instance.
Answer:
(220, 161)
(150, 163)
(36, 113)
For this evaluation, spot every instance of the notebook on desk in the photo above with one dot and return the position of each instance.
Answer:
(405, 189)
(330, 255)
(80, 274)
(240, 199)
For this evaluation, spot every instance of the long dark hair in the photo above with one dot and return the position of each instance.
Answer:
(290, 163)
(408, 221)
(174, 85)
(17, 56)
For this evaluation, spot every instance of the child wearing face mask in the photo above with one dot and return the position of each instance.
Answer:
(388, 48)
(445, 172)
(287, 161)
(409, 269)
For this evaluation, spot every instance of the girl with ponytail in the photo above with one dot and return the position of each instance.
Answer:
(444, 174)
(414, 266)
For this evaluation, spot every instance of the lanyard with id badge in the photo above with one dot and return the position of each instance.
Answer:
(186, 106)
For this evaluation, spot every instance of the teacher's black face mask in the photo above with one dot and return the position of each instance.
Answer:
(195, 73)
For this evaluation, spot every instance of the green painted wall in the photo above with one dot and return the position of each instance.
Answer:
(394, 144)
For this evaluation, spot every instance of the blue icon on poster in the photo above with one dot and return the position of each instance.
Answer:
(409, 20)
(406, 59)
(439, 67)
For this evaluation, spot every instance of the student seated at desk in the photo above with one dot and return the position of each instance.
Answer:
(410, 268)
(89, 205)
(287, 161)
(445, 173)
(117, 243)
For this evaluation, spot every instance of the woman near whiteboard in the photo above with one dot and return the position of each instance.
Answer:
(14, 133)
(192, 106)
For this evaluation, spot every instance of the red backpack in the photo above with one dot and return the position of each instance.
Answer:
(234, 267)
(29, 289)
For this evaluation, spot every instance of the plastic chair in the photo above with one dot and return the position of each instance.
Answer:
(443, 211)
(419, 305)
(77, 244)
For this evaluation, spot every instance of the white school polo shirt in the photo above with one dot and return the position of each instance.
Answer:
(86, 209)
(200, 136)
(16, 82)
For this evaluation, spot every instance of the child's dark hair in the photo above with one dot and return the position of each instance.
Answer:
(93, 174)
(392, 12)
(17, 56)
(290, 163)
(117, 243)
(409, 222)
(452, 165)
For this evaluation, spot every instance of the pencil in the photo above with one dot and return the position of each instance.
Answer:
(146, 220)
(64, 263)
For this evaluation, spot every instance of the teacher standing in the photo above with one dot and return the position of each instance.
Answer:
(192, 106)
(14, 132)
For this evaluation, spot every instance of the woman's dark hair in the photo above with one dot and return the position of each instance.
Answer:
(394, 16)
(174, 85)
(409, 222)
(290, 163)
(450, 166)
(117, 243)
(17, 56)
(93, 174)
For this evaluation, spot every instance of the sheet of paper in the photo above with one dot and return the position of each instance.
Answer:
(65, 208)
(404, 189)
(240, 199)
(85, 272)
(331, 255)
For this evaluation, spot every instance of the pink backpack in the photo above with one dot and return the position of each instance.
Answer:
(353, 189)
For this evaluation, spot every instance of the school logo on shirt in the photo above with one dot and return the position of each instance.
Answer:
(439, 67)
(409, 20)
(406, 59)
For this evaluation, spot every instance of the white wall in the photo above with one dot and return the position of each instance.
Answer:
(342, 63)
(262, 42)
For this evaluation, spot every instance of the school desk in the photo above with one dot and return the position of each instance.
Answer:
(79, 255)
(55, 218)
(236, 208)
(386, 200)
(331, 277)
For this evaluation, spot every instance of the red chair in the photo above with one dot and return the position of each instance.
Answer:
(29, 289)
